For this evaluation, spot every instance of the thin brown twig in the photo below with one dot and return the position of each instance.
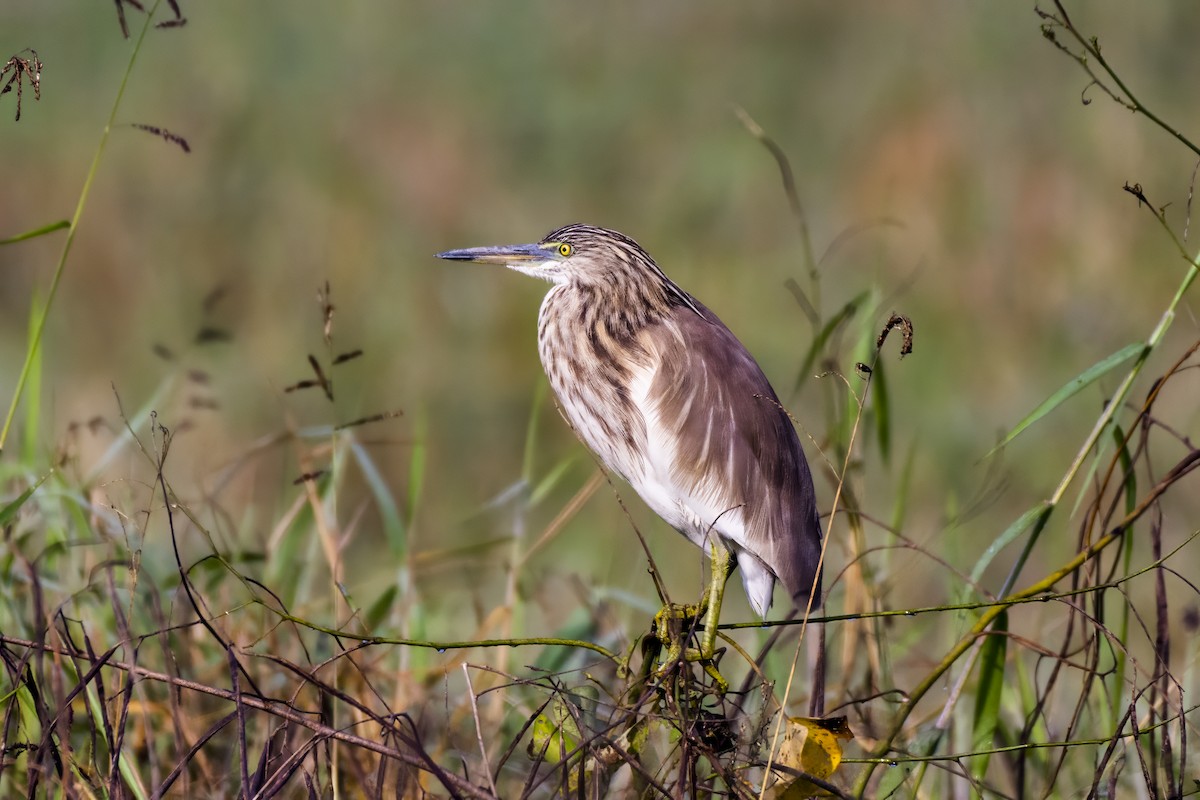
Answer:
(1091, 50)
(273, 707)
(487, 769)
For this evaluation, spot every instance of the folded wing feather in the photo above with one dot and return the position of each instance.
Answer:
(735, 460)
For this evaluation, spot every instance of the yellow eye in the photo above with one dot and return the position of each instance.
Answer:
(564, 250)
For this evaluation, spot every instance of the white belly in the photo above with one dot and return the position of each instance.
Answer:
(616, 417)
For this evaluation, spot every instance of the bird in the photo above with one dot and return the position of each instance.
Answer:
(668, 399)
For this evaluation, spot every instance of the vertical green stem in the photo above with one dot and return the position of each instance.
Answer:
(36, 337)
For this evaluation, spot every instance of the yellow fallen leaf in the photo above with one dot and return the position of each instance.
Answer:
(555, 733)
(809, 745)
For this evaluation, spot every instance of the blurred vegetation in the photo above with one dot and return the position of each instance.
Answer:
(953, 166)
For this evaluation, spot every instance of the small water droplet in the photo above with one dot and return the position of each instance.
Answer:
(893, 764)
(441, 649)
(910, 613)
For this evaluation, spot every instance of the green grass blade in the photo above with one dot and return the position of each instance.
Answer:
(9, 512)
(883, 412)
(817, 347)
(36, 232)
(1014, 530)
(378, 612)
(416, 470)
(552, 479)
(988, 694)
(1131, 495)
(33, 406)
(531, 429)
(1073, 387)
(581, 624)
(903, 489)
(1117, 699)
(394, 529)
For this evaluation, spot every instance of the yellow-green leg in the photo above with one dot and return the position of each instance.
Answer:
(675, 636)
(722, 566)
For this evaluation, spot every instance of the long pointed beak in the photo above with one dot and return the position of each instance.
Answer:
(504, 254)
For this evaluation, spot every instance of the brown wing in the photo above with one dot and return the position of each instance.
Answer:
(733, 439)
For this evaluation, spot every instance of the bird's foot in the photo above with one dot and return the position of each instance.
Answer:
(709, 665)
(674, 625)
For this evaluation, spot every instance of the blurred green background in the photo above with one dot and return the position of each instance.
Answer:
(349, 142)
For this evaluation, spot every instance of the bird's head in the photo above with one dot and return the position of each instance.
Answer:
(571, 254)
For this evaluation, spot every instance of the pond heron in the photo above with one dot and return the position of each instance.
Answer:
(668, 399)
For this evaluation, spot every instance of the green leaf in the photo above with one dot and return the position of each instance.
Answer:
(531, 428)
(1022, 523)
(1074, 386)
(378, 611)
(989, 692)
(36, 232)
(1126, 468)
(416, 469)
(33, 392)
(580, 624)
(394, 529)
(552, 479)
(883, 411)
(9, 512)
(903, 487)
(818, 344)
(555, 733)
